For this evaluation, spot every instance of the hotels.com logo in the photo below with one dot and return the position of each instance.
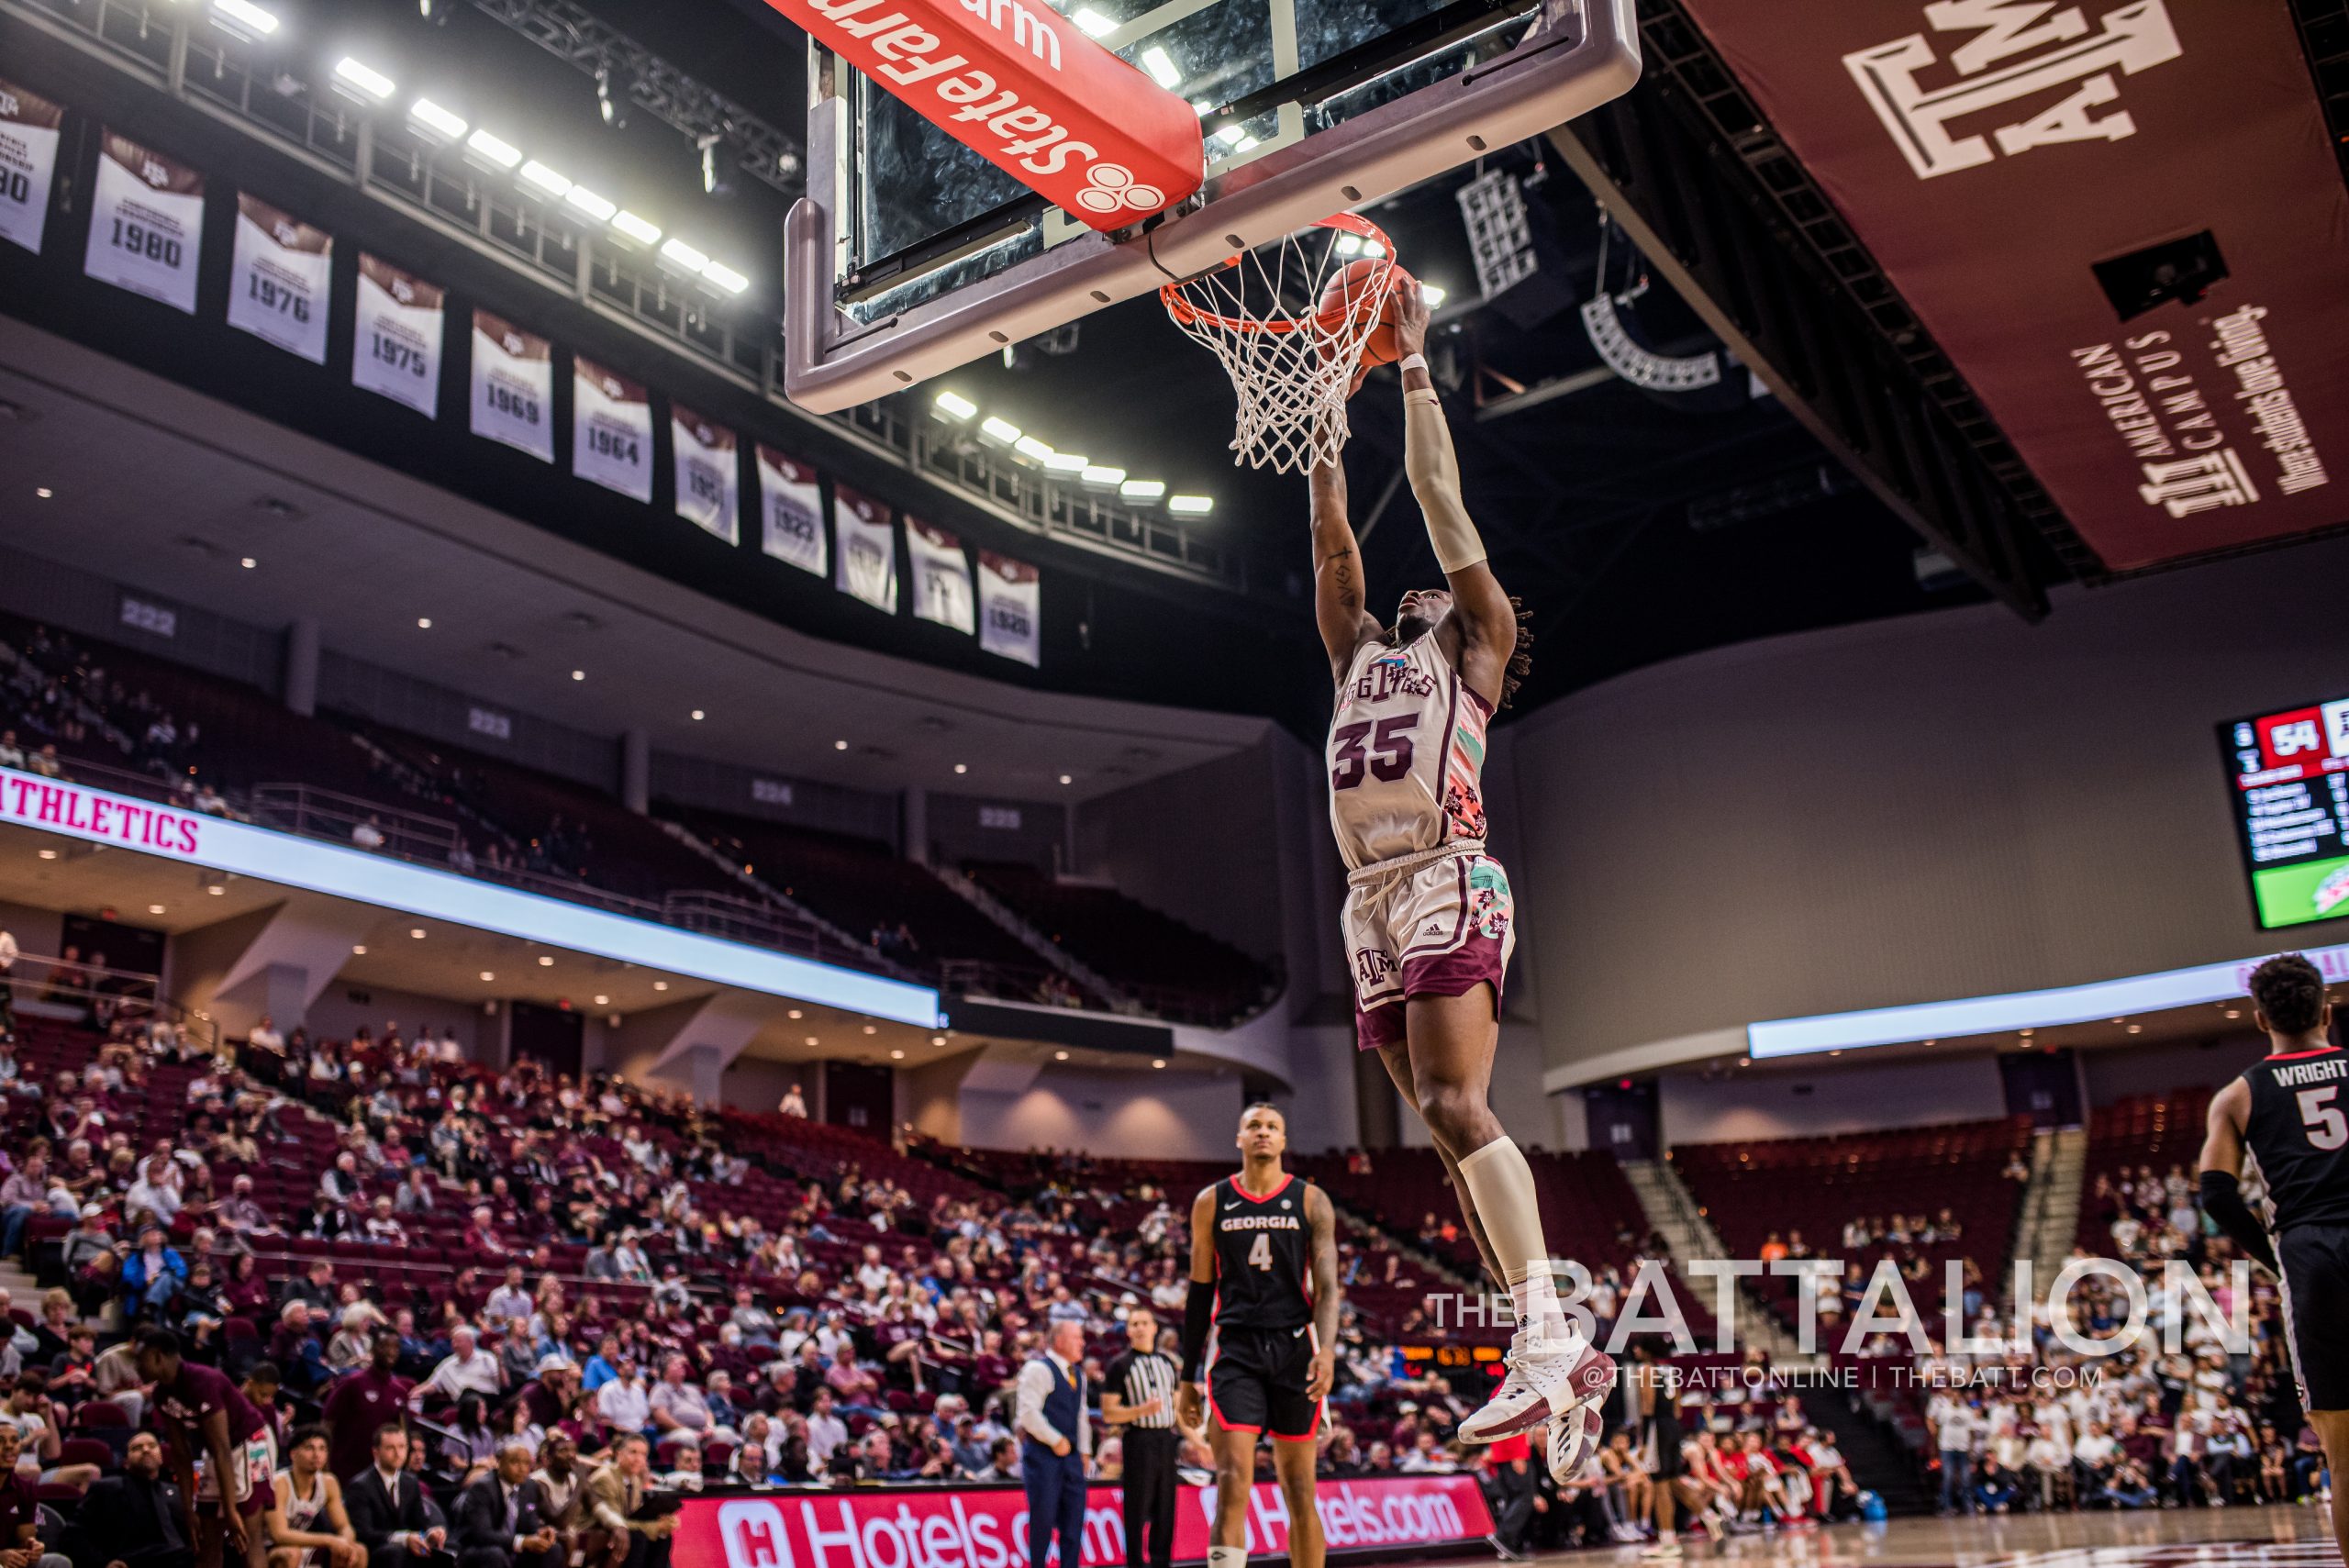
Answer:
(754, 1535)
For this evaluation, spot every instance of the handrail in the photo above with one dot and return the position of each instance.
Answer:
(144, 993)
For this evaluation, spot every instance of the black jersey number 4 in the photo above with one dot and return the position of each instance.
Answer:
(1261, 1243)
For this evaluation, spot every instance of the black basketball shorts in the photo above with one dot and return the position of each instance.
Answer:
(2315, 1260)
(1256, 1383)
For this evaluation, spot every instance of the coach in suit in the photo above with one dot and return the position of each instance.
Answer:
(618, 1536)
(134, 1518)
(1054, 1441)
(501, 1521)
(399, 1526)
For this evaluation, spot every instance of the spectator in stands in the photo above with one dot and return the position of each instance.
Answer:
(22, 1196)
(315, 1288)
(45, 763)
(826, 1431)
(394, 1517)
(793, 1103)
(364, 1402)
(623, 1402)
(369, 835)
(12, 755)
(562, 1498)
(152, 1275)
(134, 1518)
(8, 954)
(467, 1369)
(615, 1507)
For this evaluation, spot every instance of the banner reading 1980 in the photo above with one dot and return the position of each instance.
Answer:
(145, 223)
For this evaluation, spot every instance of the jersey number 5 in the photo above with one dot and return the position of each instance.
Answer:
(2328, 1128)
(1387, 755)
(1260, 1256)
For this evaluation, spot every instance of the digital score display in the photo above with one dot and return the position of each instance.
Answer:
(2291, 786)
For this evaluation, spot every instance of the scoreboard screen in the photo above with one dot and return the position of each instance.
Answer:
(2291, 788)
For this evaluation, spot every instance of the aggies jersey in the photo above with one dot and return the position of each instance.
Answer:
(1405, 755)
(2298, 1130)
(1261, 1274)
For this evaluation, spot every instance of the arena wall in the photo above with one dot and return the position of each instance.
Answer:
(1741, 1103)
(1945, 805)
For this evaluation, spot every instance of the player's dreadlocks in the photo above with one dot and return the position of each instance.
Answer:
(1521, 662)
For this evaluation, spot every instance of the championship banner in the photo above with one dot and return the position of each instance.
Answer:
(941, 575)
(29, 131)
(611, 429)
(145, 223)
(791, 511)
(2034, 178)
(277, 283)
(710, 486)
(1024, 88)
(987, 1527)
(395, 336)
(513, 386)
(1010, 622)
(867, 565)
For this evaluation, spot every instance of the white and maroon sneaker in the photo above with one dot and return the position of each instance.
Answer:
(1549, 1377)
(1573, 1439)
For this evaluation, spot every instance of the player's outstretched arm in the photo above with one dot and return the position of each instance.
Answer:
(1337, 572)
(1321, 1232)
(1485, 620)
(2221, 1168)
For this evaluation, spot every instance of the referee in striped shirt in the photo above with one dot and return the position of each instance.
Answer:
(1138, 1400)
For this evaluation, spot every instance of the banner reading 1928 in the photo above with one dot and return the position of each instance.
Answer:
(145, 223)
(29, 125)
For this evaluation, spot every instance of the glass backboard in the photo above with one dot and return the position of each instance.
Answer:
(911, 255)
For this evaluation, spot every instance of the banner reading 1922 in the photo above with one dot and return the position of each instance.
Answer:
(981, 1527)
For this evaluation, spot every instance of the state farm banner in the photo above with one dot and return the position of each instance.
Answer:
(145, 223)
(987, 1527)
(1023, 87)
(790, 512)
(941, 575)
(710, 486)
(1009, 619)
(277, 282)
(395, 336)
(866, 566)
(29, 125)
(1991, 153)
(611, 429)
(513, 386)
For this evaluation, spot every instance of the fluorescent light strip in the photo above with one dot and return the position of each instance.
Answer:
(435, 119)
(725, 278)
(679, 254)
(954, 406)
(92, 815)
(637, 229)
(1092, 23)
(538, 174)
(1030, 446)
(1142, 489)
(1190, 505)
(245, 14)
(498, 150)
(593, 205)
(1161, 66)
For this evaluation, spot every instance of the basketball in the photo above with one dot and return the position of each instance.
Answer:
(1358, 288)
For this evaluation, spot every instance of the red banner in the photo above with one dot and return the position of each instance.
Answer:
(1019, 84)
(987, 1527)
(1991, 153)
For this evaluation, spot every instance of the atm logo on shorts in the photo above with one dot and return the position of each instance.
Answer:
(1371, 965)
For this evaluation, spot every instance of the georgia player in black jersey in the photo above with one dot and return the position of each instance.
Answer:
(2292, 1111)
(1264, 1273)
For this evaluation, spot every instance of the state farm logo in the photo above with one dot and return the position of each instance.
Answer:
(753, 1534)
(1108, 186)
(2018, 52)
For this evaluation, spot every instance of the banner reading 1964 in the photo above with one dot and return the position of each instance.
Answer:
(145, 223)
(513, 386)
(611, 429)
(395, 350)
(29, 131)
(277, 287)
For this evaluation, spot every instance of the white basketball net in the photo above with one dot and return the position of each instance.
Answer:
(1292, 363)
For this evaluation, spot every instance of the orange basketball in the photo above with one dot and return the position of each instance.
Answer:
(1359, 288)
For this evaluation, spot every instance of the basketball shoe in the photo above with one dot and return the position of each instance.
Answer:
(1550, 1375)
(1573, 1439)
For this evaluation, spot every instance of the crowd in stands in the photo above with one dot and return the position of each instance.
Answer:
(119, 719)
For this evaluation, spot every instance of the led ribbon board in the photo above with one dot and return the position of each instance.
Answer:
(96, 817)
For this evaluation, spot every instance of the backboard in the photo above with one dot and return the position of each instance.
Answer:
(910, 255)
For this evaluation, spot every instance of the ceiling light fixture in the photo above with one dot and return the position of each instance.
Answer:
(1101, 476)
(44, 492)
(1032, 448)
(1092, 23)
(938, 1040)
(1066, 462)
(643, 230)
(660, 986)
(1060, 1056)
(679, 254)
(488, 976)
(359, 951)
(1161, 66)
(602, 209)
(1068, 778)
(539, 177)
(579, 674)
(997, 431)
(416, 933)
(249, 563)
(962, 767)
(1432, 294)
(424, 623)
(872, 1028)
(896, 1056)
(439, 122)
(794, 1013)
(49, 854)
(725, 278)
(811, 1039)
(365, 77)
(603, 1001)
(1158, 1061)
(154, 908)
(496, 150)
(948, 404)
(698, 715)
(244, 18)
(1190, 505)
(1142, 490)
(840, 745)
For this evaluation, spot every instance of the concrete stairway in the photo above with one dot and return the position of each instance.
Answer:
(2049, 1223)
(1673, 1213)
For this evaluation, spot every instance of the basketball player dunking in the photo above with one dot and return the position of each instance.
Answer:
(2292, 1112)
(1265, 1275)
(1428, 920)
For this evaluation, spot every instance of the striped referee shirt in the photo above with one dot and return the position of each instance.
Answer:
(1140, 1376)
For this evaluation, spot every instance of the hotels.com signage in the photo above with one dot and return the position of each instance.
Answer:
(214, 843)
(987, 1527)
(1019, 84)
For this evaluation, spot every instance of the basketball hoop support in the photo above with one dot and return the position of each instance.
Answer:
(1576, 55)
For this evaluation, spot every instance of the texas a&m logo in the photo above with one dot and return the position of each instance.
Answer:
(1371, 965)
(2019, 54)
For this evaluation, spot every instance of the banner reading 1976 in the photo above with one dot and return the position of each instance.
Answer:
(277, 287)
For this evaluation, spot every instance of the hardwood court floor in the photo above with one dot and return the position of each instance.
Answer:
(2282, 1537)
